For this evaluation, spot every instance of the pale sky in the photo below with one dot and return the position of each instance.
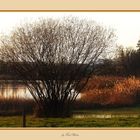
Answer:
(126, 24)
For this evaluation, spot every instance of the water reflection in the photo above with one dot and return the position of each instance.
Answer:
(16, 89)
(106, 116)
(13, 89)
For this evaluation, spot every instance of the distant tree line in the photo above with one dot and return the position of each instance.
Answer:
(126, 63)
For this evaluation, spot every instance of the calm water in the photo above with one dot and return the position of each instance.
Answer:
(105, 116)
(13, 89)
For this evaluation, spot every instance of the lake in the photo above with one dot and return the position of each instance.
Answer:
(80, 116)
(13, 89)
(16, 89)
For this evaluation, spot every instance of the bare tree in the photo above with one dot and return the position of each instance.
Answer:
(55, 59)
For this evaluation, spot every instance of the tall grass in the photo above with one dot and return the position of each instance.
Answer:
(110, 91)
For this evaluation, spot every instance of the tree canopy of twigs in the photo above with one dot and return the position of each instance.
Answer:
(55, 59)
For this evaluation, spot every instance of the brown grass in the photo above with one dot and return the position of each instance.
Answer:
(113, 91)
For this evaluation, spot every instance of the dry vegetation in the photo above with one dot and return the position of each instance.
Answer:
(111, 91)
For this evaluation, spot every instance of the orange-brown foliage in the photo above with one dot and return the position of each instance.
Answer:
(111, 90)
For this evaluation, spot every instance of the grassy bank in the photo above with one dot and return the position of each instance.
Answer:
(87, 121)
(16, 121)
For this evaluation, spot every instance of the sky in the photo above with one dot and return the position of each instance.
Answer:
(125, 24)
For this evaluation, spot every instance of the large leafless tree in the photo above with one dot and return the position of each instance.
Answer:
(55, 59)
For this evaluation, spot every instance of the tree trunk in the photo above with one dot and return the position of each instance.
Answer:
(55, 109)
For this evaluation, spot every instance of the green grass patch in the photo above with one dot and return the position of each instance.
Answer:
(16, 121)
(90, 121)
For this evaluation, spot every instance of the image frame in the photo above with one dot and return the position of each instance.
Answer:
(91, 133)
